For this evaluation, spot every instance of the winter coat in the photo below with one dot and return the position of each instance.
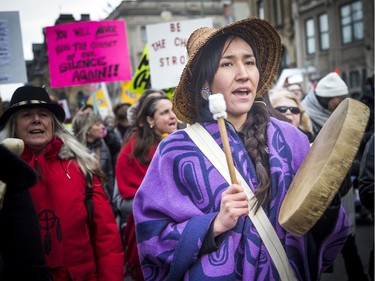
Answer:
(105, 161)
(130, 173)
(21, 249)
(114, 143)
(59, 198)
(366, 176)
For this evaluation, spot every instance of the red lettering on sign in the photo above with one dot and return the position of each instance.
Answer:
(158, 45)
(175, 27)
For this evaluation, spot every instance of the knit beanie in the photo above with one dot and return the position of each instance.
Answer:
(331, 85)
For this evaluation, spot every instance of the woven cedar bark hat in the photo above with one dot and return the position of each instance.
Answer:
(31, 97)
(262, 37)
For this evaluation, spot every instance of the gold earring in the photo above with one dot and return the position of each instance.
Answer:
(151, 126)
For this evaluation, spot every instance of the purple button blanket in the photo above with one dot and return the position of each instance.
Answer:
(180, 196)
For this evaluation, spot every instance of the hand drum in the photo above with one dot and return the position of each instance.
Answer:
(327, 163)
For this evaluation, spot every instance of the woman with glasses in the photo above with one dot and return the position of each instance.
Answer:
(288, 104)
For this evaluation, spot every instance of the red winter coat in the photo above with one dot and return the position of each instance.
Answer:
(129, 172)
(59, 201)
(129, 175)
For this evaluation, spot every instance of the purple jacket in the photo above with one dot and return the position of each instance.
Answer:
(180, 196)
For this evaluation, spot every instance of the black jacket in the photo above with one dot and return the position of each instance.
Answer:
(21, 254)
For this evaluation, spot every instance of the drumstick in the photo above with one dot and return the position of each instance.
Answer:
(217, 107)
(14, 145)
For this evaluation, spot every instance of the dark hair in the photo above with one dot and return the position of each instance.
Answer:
(254, 129)
(121, 115)
(135, 109)
(120, 105)
(146, 137)
(147, 93)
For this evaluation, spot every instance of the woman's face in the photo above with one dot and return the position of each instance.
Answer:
(164, 120)
(296, 89)
(34, 127)
(95, 132)
(288, 103)
(237, 79)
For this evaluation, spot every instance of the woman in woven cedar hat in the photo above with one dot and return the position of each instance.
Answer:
(191, 223)
(78, 230)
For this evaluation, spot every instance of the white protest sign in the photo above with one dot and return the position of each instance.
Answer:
(167, 50)
(12, 63)
(64, 104)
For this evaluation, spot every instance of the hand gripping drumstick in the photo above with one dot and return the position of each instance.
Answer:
(14, 145)
(217, 107)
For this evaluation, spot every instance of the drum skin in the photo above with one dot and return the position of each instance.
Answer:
(327, 163)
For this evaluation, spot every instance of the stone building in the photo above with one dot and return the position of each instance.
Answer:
(336, 35)
(318, 36)
(138, 14)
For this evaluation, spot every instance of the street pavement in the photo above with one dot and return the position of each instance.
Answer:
(365, 240)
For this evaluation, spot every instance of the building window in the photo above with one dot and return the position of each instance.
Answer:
(278, 18)
(364, 77)
(143, 34)
(343, 76)
(352, 22)
(260, 9)
(355, 80)
(310, 37)
(324, 32)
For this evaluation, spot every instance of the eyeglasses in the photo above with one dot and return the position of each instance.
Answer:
(292, 109)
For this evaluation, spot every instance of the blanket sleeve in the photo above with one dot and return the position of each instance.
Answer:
(170, 228)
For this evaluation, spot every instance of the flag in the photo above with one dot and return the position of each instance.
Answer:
(141, 79)
(126, 95)
(100, 100)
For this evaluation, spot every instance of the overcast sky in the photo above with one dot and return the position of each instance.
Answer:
(36, 14)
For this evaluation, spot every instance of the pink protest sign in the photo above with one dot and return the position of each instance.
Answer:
(88, 52)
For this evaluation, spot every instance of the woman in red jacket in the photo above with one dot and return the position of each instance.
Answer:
(154, 121)
(78, 229)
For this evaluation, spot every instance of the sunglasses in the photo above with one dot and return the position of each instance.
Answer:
(292, 109)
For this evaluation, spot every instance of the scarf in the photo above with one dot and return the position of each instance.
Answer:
(318, 114)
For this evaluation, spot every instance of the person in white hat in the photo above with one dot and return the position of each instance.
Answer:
(330, 91)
